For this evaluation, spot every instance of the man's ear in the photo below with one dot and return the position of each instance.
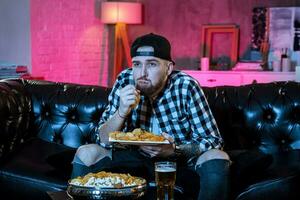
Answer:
(170, 67)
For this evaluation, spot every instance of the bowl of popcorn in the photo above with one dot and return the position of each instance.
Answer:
(106, 185)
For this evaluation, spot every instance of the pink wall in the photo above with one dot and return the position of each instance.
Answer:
(181, 22)
(67, 41)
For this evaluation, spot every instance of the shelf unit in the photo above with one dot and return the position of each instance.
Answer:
(237, 78)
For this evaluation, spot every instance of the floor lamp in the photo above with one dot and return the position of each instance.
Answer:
(120, 14)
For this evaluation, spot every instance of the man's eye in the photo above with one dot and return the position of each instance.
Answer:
(152, 64)
(136, 64)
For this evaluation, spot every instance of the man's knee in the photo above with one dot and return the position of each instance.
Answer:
(210, 155)
(91, 153)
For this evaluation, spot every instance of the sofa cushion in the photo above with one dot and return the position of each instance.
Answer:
(264, 116)
(15, 115)
(62, 160)
(280, 181)
(27, 170)
(248, 163)
(66, 113)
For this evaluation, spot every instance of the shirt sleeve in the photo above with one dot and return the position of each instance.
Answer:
(112, 105)
(123, 79)
(204, 128)
(110, 109)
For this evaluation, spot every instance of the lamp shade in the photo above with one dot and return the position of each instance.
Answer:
(121, 12)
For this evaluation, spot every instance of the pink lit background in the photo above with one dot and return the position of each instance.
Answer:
(69, 43)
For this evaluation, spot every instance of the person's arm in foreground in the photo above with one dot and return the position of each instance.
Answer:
(128, 98)
(205, 133)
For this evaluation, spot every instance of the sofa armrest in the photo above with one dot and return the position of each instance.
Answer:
(15, 111)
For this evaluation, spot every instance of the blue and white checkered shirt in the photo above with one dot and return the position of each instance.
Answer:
(181, 110)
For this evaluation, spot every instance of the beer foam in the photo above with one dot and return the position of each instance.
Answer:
(165, 169)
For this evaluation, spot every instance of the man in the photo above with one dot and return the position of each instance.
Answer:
(154, 97)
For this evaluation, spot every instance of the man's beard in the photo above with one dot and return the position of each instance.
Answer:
(149, 89)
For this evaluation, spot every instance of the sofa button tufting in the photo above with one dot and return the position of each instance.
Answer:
(282, 91)
(47, 114)
(73, 117)
(57, 138)
(283, 141)
(269, 117)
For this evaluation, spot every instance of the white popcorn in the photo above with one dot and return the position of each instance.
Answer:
(102, 182)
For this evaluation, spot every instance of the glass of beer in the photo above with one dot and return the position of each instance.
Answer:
(165, 176)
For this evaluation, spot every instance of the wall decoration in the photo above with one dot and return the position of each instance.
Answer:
(297, 30)
(281, 25)
(207, 34)
(284, 36)
(259, 26)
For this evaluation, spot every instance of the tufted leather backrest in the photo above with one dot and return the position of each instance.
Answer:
(66, 113)
(266, 116)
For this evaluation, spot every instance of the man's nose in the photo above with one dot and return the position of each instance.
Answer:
(144, 70)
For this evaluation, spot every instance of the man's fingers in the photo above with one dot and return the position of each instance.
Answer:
(168, 137)
(125, 92)
(151, 149)
(130, 95)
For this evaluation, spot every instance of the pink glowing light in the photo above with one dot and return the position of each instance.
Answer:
(121, 12)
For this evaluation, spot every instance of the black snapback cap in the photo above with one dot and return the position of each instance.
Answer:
(161, 46)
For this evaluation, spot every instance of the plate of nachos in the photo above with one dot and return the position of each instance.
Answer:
(137, 137)
(104, 185)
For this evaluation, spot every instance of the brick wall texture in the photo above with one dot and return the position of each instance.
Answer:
(68, 41)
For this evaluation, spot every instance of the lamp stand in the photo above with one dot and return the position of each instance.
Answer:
(121, 46)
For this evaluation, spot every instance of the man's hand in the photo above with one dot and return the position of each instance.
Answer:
(129, 98)
(163, 150)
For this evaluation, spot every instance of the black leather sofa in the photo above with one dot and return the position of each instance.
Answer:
(39, 119)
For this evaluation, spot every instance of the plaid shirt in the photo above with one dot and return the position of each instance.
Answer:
(181, 110)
